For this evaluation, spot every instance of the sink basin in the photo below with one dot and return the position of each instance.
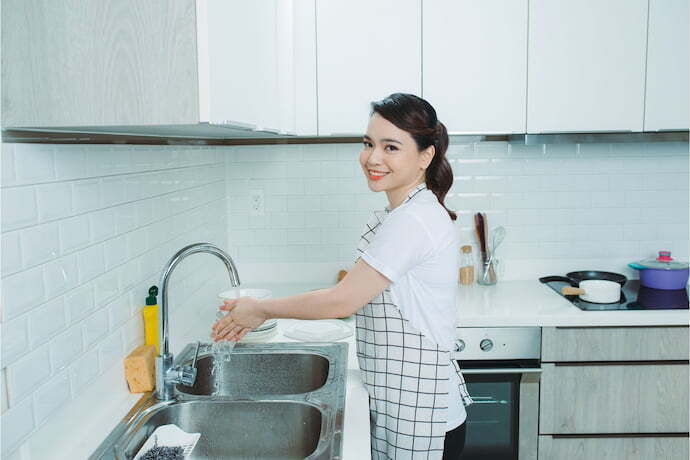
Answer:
(258, 374)
(276, 400)
(236, 429)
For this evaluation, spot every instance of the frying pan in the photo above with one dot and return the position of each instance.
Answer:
(577, 277)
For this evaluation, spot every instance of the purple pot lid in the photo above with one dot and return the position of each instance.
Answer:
(663, 262)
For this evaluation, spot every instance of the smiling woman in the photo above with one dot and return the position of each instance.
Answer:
(402, 288)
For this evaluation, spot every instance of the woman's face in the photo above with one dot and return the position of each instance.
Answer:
(390, 159)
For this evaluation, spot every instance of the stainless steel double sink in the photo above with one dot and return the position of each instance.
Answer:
(277, 401)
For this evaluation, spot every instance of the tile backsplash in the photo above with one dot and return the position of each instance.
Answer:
(564, 206)
(86, 230)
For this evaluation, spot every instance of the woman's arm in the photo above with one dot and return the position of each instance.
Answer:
(359, 286)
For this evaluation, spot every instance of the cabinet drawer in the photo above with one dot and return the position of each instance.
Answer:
(614, 344)
(623, 448)
(640, 398)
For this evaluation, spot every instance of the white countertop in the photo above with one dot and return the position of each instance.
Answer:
(531, 303)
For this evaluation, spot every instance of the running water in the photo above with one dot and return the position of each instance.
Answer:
(222, 353)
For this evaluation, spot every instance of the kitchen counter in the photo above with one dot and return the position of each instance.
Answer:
(508, 303)
(531, 303)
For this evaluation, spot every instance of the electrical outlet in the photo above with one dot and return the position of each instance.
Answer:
(256, 203)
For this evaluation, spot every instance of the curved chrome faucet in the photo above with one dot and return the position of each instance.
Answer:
(167, 375)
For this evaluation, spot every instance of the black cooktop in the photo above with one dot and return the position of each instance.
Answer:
(633, 297)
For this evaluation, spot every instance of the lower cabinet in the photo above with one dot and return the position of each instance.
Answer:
(614, 393)
(613, 448)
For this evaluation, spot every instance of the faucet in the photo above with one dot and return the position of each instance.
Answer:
(168, 375)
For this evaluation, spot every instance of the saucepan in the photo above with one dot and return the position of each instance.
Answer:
(663, 272)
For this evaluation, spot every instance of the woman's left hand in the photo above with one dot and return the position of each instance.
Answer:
(244, 314)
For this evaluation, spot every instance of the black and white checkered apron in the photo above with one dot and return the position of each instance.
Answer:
(405, 373)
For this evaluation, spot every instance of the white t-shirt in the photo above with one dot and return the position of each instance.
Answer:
(416, 248)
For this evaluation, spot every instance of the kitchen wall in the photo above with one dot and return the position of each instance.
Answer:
(85, 232)
(87, 229)
(565, 206)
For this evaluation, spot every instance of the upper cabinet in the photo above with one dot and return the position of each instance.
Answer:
(586, 65)
(666, 105)
(159, 63)
(475, 64)
(365, 51)
(241, 68)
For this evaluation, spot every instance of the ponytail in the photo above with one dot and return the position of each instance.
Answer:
(416, 116)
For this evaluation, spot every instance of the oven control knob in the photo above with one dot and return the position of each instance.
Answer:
(459, 345)
(486, 345)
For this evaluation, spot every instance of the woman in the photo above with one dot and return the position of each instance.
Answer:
(402, 289)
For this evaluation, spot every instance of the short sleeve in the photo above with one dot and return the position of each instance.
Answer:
(401, 242)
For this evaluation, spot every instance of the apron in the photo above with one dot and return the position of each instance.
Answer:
(405, 373)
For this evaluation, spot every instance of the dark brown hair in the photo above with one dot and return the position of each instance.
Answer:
(417, 117)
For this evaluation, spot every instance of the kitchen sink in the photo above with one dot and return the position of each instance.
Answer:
(276, 400)
(251, 373)
(235, 429)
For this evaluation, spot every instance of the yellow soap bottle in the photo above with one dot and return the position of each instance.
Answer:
(150, 313)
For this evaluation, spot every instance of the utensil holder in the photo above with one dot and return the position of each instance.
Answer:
(487, 272)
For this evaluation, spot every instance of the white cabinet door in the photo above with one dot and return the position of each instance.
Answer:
(365, 51)
(586, 65)
(237, 41)
(475, 64)
(666, 106)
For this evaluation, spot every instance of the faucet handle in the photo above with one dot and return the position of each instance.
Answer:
(196, 353)
(185, 375)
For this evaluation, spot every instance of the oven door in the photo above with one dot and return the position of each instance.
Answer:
(502, 424)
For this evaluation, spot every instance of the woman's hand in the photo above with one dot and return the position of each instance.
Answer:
(244, 314)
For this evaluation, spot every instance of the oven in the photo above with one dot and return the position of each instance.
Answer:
(502, 368)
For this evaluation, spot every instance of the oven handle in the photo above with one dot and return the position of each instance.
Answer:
(528, 370)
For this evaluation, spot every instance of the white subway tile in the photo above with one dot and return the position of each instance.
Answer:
(103, 224)
(18, 207)
(26, 373)
(17, 424)
(74, 233)
(34, 163)
(40, 244)
(133, 333)
(21, 292)
(110, 351)
(61, 275)
(46, 321)
(137, 241)
(86, 196)
(115, 252)
(126, 218)
(113, 191)
(9, 176)
(91, 262)
(54, 201)
(51, 396)
(83, 371)
(11, 253)
(95, 327)
(118, 312)
(79, 303)
(106, 288)
(70, 162)
(15, 340)
(66, 347)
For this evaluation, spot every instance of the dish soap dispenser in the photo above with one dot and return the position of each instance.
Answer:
(150, 313)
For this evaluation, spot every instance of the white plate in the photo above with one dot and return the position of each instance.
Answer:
(320, 330)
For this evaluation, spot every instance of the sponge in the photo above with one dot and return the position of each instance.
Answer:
(140, 369)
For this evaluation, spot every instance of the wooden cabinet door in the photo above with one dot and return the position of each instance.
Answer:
(365, 51)
(586, 65)
(622, 448)
(666, 104)
(630, 398)
(578, 344)
(109, 62)
(475, 64)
